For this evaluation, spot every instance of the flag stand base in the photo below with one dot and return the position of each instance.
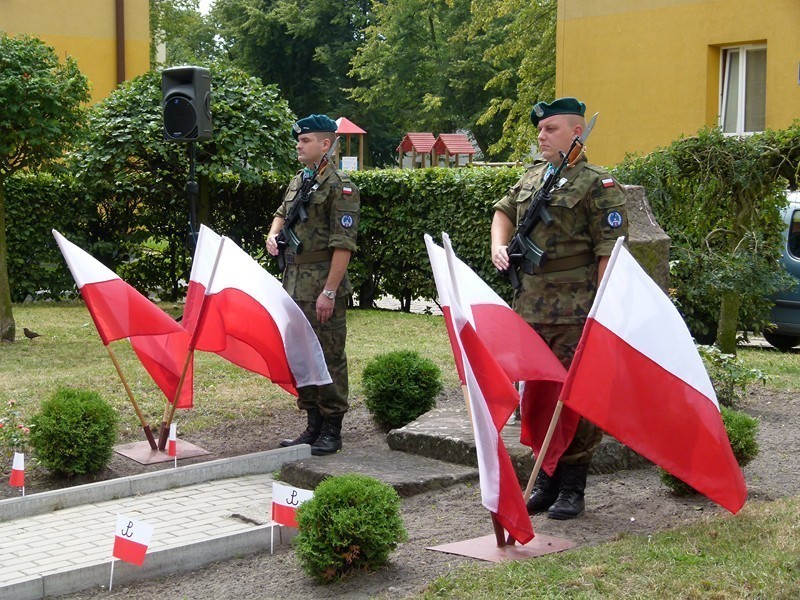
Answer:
(142, 453)
(485, 548)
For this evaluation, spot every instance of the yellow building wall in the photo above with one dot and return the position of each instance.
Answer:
(86, 31)
(651, 67)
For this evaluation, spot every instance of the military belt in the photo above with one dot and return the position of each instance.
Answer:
(559, 264)
(308, 257)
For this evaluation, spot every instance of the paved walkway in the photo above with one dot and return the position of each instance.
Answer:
(60, 542)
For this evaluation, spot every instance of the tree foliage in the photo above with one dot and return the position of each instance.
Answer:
(422, 68)
(524, 63)
(185, 36)
(138, 181)
(304, 48)
(41, 102)
(719, 198)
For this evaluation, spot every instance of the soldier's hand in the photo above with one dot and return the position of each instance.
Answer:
(500, 258)
(324, 308)
(272, 244)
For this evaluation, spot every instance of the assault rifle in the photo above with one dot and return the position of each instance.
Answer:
(299, 211)
(521, 248)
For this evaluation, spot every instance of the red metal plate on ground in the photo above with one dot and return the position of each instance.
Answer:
(142, 453)
(485, 548)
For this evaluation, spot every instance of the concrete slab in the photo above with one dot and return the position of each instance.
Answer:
(408, 474)
(446, 434)
(224, 468)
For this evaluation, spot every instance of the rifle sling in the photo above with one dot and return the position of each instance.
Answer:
(308, 257)
(562, 264)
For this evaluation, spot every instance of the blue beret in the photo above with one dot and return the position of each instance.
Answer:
(313, 123)
(561, 106)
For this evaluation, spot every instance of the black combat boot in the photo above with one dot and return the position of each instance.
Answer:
(310, 435)
(330, 438)
(545, 492)
(569, 503)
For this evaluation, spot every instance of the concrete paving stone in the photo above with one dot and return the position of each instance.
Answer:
(408, 474)
(56, 545)
(446, 434)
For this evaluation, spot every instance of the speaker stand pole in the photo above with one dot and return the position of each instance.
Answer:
(192, 190)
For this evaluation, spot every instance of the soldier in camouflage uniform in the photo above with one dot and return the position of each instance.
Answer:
(588, 210)
(316, 278)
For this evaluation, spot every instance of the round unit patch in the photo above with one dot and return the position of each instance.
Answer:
(347, 221)
(614, 219)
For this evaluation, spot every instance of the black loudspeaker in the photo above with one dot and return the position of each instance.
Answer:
(186, 94)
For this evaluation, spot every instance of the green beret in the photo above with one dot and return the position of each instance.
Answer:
(313, 123)
(561, 106)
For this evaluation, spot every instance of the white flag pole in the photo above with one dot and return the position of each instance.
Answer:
(111, 581)
(456, 300)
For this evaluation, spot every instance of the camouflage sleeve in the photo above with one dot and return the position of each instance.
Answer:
(507, 204)
(345, 213)
(609, 219)
(290, 192)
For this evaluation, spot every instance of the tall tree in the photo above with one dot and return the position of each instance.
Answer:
(41, 100)
(524, 58)
(138, 181)
(303, 47)
(421, 66)
(180, 34)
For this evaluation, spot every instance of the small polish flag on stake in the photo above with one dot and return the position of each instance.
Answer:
(285, 500)
(172, 443)
(131, 539)
(17, 478)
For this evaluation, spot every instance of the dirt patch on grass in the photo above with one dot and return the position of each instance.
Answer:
(624, 503)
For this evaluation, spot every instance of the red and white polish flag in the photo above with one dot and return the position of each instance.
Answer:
(285, 501)
(492, 399)
(517, 348)
(17, 478)
(172, 441)
(637, 375)
(119, 311)
(248, 318)
(131, 539)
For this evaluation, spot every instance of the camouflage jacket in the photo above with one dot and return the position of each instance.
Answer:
(588, 210)
(333, 214)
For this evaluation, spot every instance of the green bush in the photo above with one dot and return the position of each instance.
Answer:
(742, 429)
(351, 524)
(400, 386)
(729, 374)
(14, 431)
(74, 432)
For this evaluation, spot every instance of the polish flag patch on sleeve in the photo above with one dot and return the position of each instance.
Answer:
(607, 182)
(347, 190)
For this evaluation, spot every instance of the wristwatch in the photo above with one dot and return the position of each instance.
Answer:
(330, 294)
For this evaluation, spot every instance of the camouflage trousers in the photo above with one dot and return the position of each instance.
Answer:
(331, 399)
(563, 341)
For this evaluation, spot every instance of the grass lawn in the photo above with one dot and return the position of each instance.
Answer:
(69, 353)
(753, 555)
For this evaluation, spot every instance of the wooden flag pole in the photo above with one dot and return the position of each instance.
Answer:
(147, 432)
(543, 450)
(169, 410)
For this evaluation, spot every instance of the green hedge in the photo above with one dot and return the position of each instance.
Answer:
(36, 204)
(398, 208)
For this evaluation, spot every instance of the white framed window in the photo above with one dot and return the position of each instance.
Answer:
(743, 101)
